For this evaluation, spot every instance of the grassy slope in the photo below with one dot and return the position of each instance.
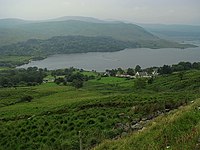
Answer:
(46, 97)
(180, 129)
(57, 113)
(7, 62)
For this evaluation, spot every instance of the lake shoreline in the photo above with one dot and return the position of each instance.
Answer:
(100, 61)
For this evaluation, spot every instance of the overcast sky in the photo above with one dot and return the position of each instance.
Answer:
(140, 11)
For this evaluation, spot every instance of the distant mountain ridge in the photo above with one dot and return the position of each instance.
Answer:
(79, 18)
(47, 29)
(12, 22)
(15, 30)
(180, 32)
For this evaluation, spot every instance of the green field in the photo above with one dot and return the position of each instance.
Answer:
(103, 109)
(7, 62)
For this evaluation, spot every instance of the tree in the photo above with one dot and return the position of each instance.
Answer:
(26, 98)
(112, 72)
(137, 68)
(150, 80)
(196, 65)
(186, 65)
(77, 83)
(120, 70)
(165, 70)
(130, 71)
(4, 81)
(59, 80)
(180, 75)
(177, 67)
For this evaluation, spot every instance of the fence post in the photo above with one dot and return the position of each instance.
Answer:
(80, 140)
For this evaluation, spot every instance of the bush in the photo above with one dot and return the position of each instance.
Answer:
(77, 83)
(91, 122)
(27, 98)
(140, 83)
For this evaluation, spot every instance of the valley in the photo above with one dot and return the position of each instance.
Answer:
(73, 83)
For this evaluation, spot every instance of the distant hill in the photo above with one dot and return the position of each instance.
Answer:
(12, 22)
(24, 30)
(66, 44)
(174, 32)
(45, 30)
(79, 18)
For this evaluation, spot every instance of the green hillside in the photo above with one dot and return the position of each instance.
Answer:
(180, 129)
(105, 108)
(44, 30)
(65, 45)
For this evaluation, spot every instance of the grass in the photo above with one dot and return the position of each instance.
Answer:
(13, 61)
(4, 68)
(180, 129)
(46, 97)
(103, 109)
(15, 58)
(89, 73)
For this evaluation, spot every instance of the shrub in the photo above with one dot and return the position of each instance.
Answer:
(140, 83)
(91, 122)
(26, 98)
(77, 83)
(101, 118)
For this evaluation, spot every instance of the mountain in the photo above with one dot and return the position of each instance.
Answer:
(79, 18)
(23, 31)
(174, 32)
(12, 22)
(45, 30)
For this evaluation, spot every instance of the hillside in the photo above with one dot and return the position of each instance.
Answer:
(179, 129)
(105, 108)
(20, 31)
(65, 45)
(12, 22)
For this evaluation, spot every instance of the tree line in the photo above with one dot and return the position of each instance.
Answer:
(71, 76)
(165, 69)
(181, 66)
(18, 77)
(129, 71)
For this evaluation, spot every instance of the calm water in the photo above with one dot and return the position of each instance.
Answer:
(101, 61)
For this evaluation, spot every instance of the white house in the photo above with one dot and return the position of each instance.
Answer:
(142, 75)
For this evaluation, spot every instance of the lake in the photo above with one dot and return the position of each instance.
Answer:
(100, 61)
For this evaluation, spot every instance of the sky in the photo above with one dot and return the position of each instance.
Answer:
(138, 11)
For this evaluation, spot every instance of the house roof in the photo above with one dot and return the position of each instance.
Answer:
(142, 73)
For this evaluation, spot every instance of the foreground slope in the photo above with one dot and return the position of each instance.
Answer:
(105, 108)
(179, 129)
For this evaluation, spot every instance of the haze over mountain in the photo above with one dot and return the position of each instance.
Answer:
(142, 11)
(16, 30)
(174, 32)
